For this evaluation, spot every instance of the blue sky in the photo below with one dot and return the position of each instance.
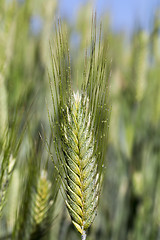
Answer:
(124, 13)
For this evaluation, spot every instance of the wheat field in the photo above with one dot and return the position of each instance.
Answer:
(79, 126)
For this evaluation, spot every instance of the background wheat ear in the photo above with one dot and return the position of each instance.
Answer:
(80, 126)
(35, 212)
(9, 147)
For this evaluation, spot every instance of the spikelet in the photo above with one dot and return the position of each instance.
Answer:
(79, 128)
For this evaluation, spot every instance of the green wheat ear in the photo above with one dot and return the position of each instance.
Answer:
(35, 213)
(80, 127)
(9, 147)
(79, 147)
(42, 203)
(6, 167)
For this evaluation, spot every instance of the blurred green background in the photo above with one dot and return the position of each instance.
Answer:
(130, 202)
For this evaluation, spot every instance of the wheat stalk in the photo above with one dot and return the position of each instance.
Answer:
(79, 127)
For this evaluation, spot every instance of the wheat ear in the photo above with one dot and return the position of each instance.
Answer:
(9, 148)
(6, 168)
(80, 163)
(35, 213)
(79, 127)
(41, 205)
